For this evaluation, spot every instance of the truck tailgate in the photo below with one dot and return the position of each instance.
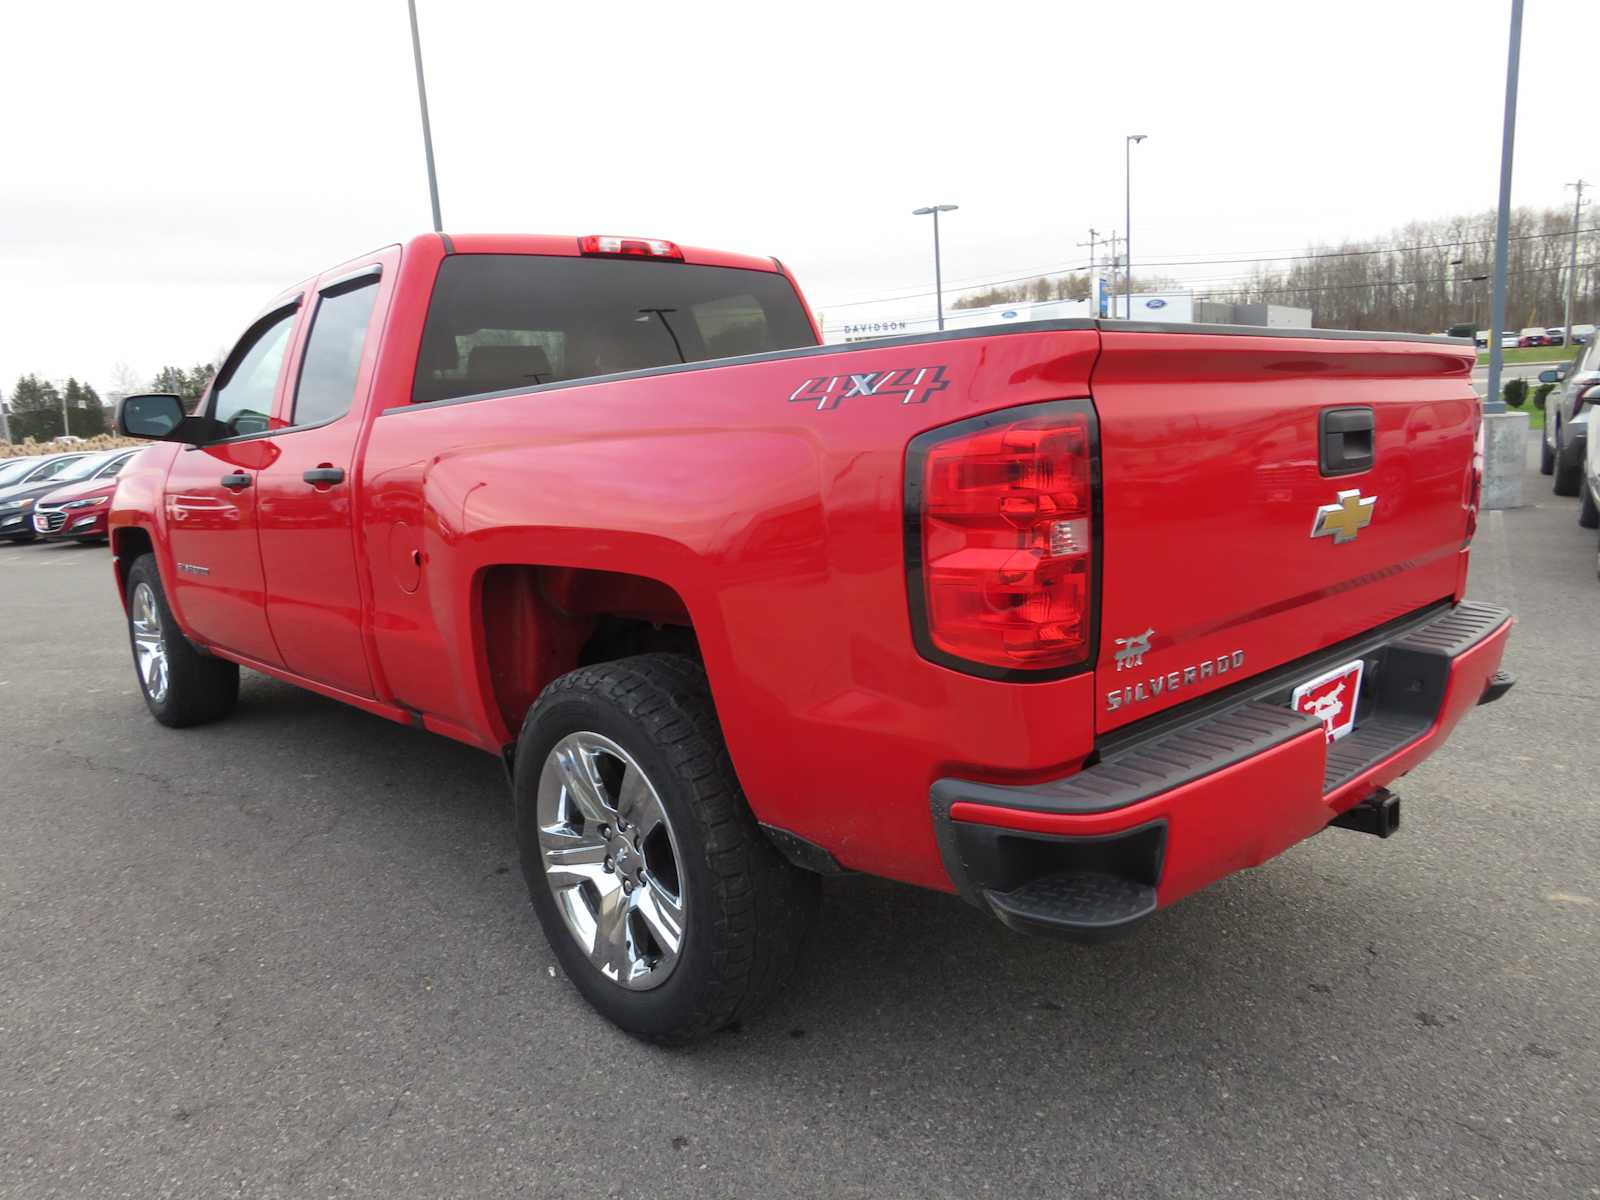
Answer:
(1215, 564)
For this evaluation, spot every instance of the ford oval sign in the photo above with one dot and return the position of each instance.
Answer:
(1158, 302)
(1009, 314)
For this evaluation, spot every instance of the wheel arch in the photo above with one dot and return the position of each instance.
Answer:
(128, 544)
(536, 622)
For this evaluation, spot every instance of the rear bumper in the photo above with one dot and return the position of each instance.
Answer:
(1215, 787)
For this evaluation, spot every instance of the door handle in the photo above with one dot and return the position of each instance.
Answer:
(324, 475)
(236, 481)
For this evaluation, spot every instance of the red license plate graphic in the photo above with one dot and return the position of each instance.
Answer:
(1331, 698)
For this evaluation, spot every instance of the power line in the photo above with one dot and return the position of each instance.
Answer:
(1290, 258)
(1380, 283)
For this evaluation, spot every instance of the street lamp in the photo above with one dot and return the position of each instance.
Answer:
(1127, 225)
(938, 277)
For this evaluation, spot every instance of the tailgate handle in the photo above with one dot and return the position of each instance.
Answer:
(1346, 440)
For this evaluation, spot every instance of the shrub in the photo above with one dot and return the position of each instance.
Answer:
(1540, 392)
(1515, 393)
(104, 441)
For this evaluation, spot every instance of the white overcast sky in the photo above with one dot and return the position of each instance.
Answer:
(168, 166)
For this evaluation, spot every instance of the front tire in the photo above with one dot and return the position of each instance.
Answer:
(181, 686)
(1547, 456)
(668, 908)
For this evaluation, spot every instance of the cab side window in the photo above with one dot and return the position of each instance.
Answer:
(332, 359)
(241, 398)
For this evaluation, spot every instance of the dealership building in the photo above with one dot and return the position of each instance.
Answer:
(897, 319)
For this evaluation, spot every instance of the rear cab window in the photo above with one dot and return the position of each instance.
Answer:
(498, 322)
(332, 359)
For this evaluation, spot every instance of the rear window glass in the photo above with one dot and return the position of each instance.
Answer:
(502, 321)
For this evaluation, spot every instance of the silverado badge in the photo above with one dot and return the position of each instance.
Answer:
(1347, 516)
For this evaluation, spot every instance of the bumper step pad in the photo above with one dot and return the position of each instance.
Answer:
(1083, 907)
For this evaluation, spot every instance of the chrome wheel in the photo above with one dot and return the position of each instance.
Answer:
(611, 859)
(149, 650)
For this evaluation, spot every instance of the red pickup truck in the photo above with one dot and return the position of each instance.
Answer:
(1070, 618)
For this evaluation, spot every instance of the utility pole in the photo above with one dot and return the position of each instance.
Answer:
(1572, 266)
(66, 429)
(1094, 307)
(1116, 261)
(1502, 221)
(5, 423)
(427, 131)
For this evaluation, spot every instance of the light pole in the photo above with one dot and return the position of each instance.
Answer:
(1502, 221)
(1572, 267)
(1127, 224)
(427, 131)
(938, 276)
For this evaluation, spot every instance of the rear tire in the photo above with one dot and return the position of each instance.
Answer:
(1568, 477)
(1547, 457)
(1588, 513)
(639, 737)
(181, 686)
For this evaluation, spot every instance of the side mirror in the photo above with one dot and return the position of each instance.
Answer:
(1550, 375)
(159, 417)
(152, 415)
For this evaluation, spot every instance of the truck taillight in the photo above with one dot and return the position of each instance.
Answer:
(1000, 541)
(607, 246)
(1474, 483)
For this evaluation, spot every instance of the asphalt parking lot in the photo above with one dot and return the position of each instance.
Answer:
(291, 955)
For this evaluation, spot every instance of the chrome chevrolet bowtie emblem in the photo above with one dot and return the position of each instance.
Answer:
(1346, 518)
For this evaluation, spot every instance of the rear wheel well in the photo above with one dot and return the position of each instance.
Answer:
(540, 622)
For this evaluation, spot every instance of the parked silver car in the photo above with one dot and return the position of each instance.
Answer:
(1566, 418)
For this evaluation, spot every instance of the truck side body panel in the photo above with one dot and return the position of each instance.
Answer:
(774, 510)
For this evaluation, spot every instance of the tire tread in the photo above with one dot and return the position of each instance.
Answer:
(762, 904)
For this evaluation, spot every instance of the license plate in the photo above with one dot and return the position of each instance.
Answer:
(1331, 698)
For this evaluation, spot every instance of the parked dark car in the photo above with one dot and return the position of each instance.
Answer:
(17, 472)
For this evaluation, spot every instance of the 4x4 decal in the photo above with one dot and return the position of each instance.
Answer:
(909, 385)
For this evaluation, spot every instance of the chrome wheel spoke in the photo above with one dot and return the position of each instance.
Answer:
(612, 952)
(663, 913)
(638, 804)
(576, 766)
(569, 858)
